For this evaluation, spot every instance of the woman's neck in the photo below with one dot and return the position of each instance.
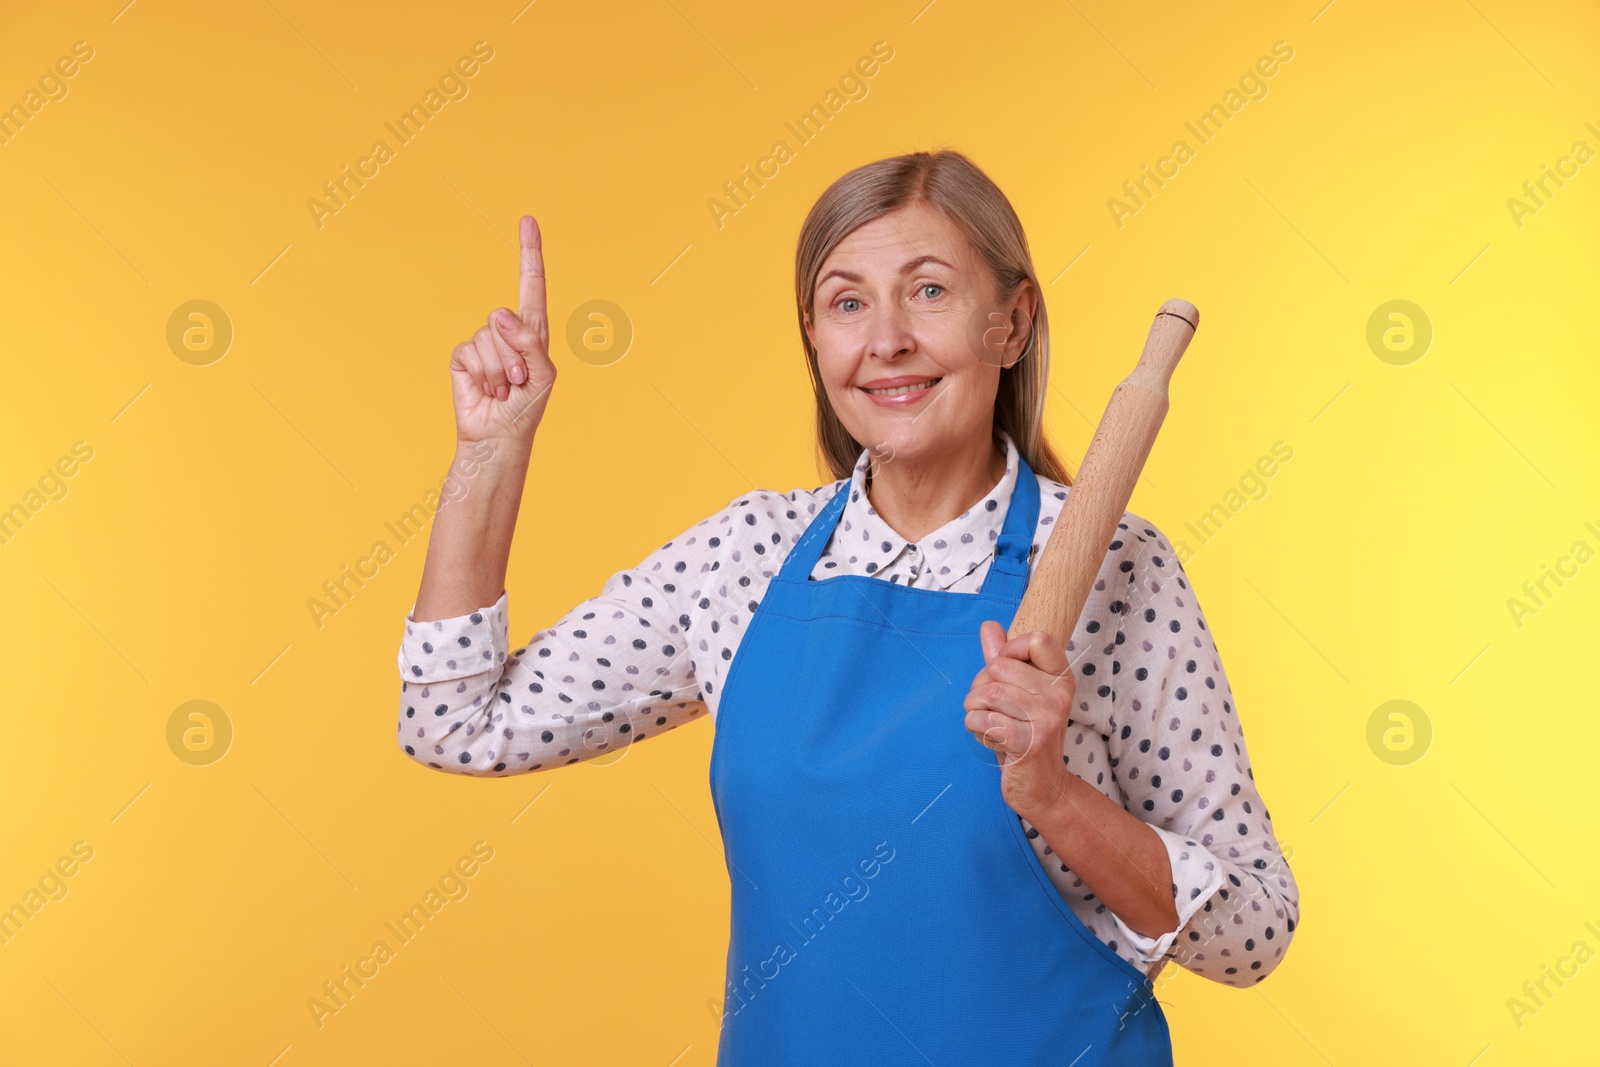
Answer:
(915, 499)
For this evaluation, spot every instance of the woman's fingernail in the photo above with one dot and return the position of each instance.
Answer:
(517, 374)
(507, 323)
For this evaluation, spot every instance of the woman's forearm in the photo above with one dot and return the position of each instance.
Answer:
(470, 544)
(1121, 859)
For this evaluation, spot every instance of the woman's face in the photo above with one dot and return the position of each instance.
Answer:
(910, 339)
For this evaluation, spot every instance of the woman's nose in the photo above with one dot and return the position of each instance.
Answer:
(891, 334)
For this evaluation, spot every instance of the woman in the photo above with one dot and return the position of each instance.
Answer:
(980, 906)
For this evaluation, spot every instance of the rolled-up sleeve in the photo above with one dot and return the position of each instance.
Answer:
(1180, 758)
(1195, 877)
(613, 670)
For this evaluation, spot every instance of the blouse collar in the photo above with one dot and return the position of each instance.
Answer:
(942, 557)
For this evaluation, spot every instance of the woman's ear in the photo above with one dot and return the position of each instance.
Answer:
(1023, 305)
(1025, 332)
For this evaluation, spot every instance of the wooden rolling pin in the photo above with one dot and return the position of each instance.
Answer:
(1077, 546)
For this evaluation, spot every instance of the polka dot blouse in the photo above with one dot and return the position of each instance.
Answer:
(1155, 728)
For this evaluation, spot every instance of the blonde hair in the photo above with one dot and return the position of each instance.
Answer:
(951, 184)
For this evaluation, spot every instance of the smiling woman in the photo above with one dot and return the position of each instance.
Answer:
(948, 319)
(843, 639)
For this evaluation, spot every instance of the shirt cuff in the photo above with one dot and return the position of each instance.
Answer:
(441, 650)
(1195, 874)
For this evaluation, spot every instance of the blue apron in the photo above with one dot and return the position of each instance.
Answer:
(887, 908)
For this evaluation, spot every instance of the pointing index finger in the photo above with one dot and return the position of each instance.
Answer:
(530, 286)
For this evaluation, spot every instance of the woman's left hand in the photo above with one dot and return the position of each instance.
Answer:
(1020, 704)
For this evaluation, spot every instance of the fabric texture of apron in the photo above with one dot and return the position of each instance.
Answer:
(887, 908)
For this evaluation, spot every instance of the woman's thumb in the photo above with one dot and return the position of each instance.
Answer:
(993, 638)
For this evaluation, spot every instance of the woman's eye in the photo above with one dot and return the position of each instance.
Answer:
(932, 285)
(841, 304)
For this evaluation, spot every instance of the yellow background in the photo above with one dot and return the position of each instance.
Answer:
(219, 498)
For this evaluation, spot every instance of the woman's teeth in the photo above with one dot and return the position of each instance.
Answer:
(901, 390)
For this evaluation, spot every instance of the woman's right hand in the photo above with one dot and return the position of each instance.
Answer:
(501, 378)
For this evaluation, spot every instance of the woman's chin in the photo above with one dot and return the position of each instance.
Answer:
(907, 431)
(892, 442)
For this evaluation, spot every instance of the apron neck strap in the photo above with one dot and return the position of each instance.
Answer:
(1008, 573)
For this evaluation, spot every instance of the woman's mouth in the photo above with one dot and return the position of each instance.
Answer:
(900, 392)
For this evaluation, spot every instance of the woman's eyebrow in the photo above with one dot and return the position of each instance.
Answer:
(911, 265)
